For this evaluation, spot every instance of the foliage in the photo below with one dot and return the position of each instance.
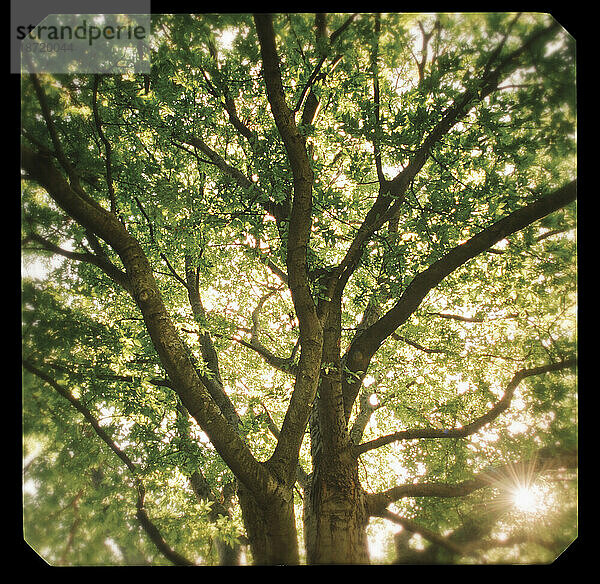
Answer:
(172, 151)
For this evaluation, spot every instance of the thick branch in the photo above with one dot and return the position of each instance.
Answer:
(311, 335)
(392, 193)
(170, 348)
(368, 341)
(300, 219)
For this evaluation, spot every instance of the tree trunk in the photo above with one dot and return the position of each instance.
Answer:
(335, 518)
(271, 529)
(228, 555)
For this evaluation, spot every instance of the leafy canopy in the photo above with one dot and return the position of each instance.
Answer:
(198, 182)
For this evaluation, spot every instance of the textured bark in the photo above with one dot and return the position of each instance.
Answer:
(271, 529)
(285, 457)
(335, 518)
(334, 511)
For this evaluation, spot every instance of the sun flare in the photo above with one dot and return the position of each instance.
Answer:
(522, 490)
(527, 499)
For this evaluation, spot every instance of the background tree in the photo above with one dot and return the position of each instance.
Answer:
(313, 275)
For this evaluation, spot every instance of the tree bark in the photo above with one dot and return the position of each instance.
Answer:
(335, 519)
(271, 529)
(285, 456)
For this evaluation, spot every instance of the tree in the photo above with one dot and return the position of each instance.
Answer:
(313, 274)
